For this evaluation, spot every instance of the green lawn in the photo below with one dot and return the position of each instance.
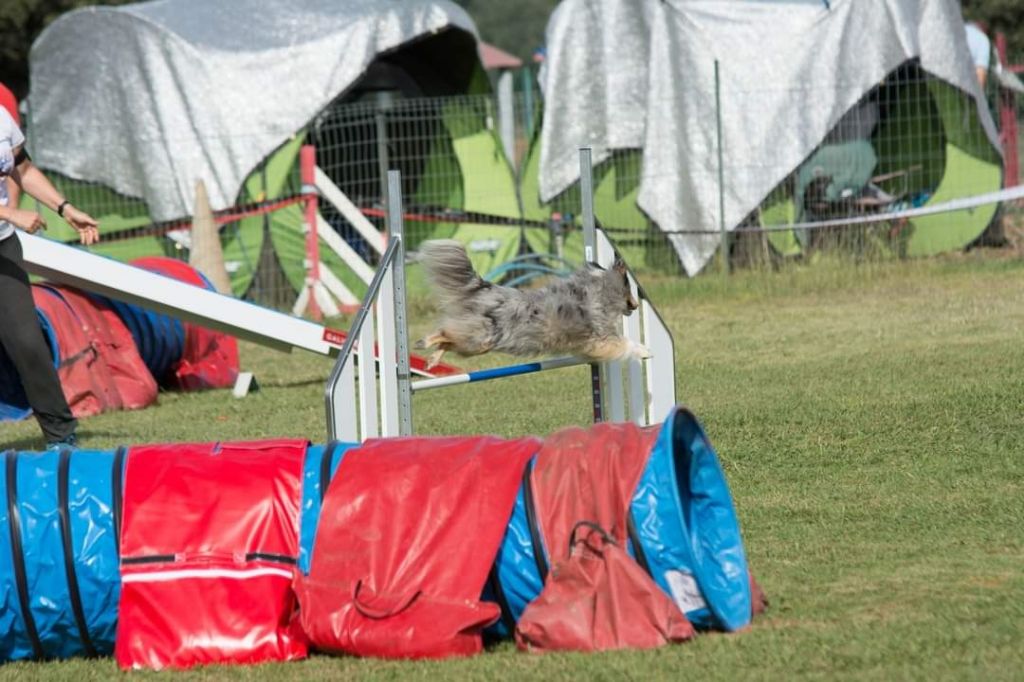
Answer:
(870, 420)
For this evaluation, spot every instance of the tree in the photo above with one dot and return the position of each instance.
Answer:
(21, 22)
(1000, 16)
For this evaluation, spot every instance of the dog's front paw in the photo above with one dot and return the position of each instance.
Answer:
(641, 352)
(420, 344)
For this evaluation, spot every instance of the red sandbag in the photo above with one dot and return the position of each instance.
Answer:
(122, 365)
(210, 358)
(208, 549)
(595, 597)
(598, 599)
(407, 535)
(87, 384)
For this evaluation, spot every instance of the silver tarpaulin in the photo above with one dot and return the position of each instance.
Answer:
(640, 74)
(150, 97)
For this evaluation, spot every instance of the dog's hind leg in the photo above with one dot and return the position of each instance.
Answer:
(435, 358)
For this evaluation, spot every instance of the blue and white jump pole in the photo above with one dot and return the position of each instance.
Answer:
(497, 373)
(380, 402)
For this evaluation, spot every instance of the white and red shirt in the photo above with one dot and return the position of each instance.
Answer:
(11, 138)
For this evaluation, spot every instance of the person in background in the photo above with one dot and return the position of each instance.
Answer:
(981, 50)
(20, 334)
(9, 102)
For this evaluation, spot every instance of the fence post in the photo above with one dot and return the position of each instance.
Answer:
(506, 117)
(383, 103)
(307, 168)
(1007, 120)
(723, 234)
(590, 256)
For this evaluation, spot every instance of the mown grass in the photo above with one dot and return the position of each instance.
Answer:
(870, 420)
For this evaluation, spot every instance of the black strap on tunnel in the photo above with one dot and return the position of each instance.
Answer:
(17, 553)
(325, 468)
(634, 539)
(270, 556)
(116, 494)
(63, 494)
(172, 558)
(531, 521)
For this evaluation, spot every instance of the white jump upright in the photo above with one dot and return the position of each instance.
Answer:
(381, 404)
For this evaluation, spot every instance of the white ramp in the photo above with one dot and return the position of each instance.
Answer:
(77, 267)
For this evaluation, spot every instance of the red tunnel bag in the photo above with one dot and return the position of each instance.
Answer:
(407, 535)
(595, 597)
(99, 367)
(121, 365)
(208, 548)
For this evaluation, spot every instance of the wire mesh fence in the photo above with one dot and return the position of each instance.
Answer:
(910, 142)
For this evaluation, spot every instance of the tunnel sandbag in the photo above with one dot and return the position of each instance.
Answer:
(684, 529)
(209, 359)
(406, 540)
(209, 546)
(59, 581)
(100, 369)
(95, 356)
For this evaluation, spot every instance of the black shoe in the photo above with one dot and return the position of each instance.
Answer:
(69, 441)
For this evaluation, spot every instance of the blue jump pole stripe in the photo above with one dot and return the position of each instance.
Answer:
(497, 373)
(511, 370)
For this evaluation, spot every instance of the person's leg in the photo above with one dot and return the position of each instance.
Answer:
(23, 340)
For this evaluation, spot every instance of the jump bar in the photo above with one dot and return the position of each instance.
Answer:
(497, 373)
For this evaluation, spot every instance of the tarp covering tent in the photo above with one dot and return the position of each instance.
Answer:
(639, 75)
(204, 90)
(142, 100)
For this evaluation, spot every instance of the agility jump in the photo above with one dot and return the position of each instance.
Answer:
(380, 404)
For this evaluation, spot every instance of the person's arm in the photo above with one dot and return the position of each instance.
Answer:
(32, 180)
(13, 193)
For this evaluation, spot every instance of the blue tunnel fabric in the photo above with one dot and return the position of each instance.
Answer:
(315, 476)
(41, 538)
(685, 527)
(13, 402)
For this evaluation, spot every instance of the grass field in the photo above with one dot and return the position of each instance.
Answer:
(870, 420)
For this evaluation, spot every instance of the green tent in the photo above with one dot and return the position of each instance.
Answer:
(929, 147)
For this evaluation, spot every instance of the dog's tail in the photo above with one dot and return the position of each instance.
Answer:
(449, 270)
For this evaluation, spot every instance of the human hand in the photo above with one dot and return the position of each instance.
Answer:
(29, 221)
(83, 223)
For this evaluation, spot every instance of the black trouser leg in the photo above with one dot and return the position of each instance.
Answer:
(22, 338)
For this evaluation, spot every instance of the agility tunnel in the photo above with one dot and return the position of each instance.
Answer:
(113, 356)
(61, 532)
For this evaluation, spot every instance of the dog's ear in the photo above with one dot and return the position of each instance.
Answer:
(619, 266)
